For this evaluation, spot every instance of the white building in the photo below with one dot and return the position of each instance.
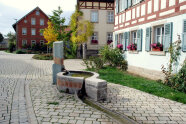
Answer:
(101, 14)
(145, 22)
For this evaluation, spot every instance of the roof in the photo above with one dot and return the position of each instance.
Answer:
(37, 8)
(98, 0)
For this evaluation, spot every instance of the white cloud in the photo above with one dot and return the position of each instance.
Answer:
(11, 9)
(46, 5)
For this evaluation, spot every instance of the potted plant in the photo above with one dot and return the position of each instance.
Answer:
(157, 47)
(132, 47)
(94, 42)
(120, 46)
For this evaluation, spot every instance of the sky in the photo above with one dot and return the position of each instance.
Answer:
(16, 9)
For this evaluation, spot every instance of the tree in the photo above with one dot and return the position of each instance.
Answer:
(58, 23)
(11, 41)
(81, 29)
(50, 34)
(1, 37)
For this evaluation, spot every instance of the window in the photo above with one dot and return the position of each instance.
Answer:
(37, 12)
(24, 31)
(109, 37)
(134, 37)
(94, 38)
(94, 16)
(110, 17)
(135, 1)
(120, 38)
(33, 21)
(159, 34)
(41, 42)
(25, 21)
(33, 31)
(24, 42)
(33, 42)
(41, 33)
(41, 21)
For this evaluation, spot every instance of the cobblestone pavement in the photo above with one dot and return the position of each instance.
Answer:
(143, 107)
(15, 72)
(51, 106)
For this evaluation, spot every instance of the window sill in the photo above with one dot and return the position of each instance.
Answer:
(157, 53)
(133, 52)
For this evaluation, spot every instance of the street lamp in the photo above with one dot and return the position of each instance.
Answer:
(16, 35)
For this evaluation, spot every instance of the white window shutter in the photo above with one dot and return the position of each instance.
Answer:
(116, 40)
(117, 6)
(125, 4)
(184, 36)
(167, 36)
(129, 3)
(139, 40)
(148, 39)
(127, 38)
(124, 42)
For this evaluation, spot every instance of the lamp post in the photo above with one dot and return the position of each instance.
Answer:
(16, 35)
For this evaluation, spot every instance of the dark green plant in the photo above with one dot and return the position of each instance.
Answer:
(20, 52)
(113, 57)
(97, 61)
(1, 37)
(178, 81)
(11, 46)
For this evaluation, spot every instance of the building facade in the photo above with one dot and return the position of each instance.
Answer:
(142, 25)
(101, 14)
(28, 29)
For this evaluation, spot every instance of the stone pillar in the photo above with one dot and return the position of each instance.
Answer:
(84, 51)
(58, 56)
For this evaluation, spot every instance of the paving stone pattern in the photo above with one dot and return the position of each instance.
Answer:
(51, 106)
(143, 107)
(15, 72)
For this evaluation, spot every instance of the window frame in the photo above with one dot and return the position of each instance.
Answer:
(96, 38)
(91, 18)
(37, 12)
(32, 32)
(42, 43)
(32, 42)
(110, 17)
(23, 31)
(33, 20)
(161, 34)
(42, 20)
(134, 39)
(24, 43)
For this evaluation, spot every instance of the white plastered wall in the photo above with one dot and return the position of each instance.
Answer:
(102, 27)
(154, 62)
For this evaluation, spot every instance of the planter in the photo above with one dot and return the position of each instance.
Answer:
(157, 49)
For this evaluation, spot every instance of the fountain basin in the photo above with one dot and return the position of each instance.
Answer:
(80, 81)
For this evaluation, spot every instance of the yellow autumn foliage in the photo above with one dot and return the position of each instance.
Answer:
(49, 33)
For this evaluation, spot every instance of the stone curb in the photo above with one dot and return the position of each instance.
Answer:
(31, 115)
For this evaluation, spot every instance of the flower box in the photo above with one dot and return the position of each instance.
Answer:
(157, 47)
(132, 47)
(94, 41)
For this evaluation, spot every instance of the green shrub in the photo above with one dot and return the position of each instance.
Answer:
(97, 61)
(178, 81)
(113, 57)
(11, 46)
(43, 57)
(20, 52)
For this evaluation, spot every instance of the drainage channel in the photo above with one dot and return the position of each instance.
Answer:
(121, 119)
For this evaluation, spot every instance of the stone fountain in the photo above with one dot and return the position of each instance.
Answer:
(84, 83)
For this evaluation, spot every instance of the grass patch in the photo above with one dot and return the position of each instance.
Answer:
(150, 86)
(43, 57)
(53, 103)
